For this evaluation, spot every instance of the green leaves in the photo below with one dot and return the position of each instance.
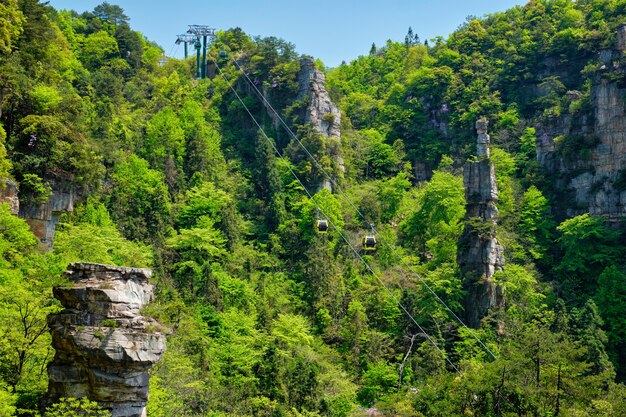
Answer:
(436, 224)
(16, 239)
(11, 21)
(589, 246)
(98, 48)
(91, 236)
(139, 201)
(72, 407)
(536, 225)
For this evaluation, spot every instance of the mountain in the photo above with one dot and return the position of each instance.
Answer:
(489, 168)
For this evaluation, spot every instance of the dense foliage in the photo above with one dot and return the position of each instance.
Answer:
(268, 317)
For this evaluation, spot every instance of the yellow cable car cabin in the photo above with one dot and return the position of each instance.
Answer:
(369, 243)
(322, 226)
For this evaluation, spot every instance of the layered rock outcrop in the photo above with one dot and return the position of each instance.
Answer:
(43, 218)
(104, 346)
(480, 255)
(321, 112)
(584, 148)
(8, 194)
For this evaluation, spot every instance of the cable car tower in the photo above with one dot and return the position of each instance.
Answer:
(185, 38)
(201, 32)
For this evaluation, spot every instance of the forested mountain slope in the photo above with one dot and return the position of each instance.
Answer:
(123, 158)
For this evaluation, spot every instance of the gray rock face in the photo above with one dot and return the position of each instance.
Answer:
(596, 177)
(104, 347)
(43, 218)
(8, 194)
(321, 113)
(480, 255)
(483, 142)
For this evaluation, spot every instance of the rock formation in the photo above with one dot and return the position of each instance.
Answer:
(321, 112)
(44, 217)
(8, 194)
(585, 149)
(104, 347)
(480, 254)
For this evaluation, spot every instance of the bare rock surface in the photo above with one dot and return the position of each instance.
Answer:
(594, 172)
(104, 346)
(321, 111)
(43, 218)
(322, 114)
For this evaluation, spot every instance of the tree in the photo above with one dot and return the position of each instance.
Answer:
(380, 378)
(589, 246)
(437, 223)
(588, 325)
(25, 302)
(11, 21)
(7, 402)
(5, 163)
(99, 48)
(74, 407)
(196, 248)
(130, 44)
(390, 195)
(140, 201)
(536, 225)
(373, 49)
(202, 144)
(110, 13)
(611, 301)
(411, 39)
(89, 235)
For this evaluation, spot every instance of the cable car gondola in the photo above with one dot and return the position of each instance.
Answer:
(322, 225)
(223, 54)
(369, 243)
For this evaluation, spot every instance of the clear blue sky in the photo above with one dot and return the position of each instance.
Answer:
(330, 30)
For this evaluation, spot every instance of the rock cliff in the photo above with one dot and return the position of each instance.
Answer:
(584, 148)
(104, 347)
(8, 194)
(480, 255)
(43, 218)
(321, 112)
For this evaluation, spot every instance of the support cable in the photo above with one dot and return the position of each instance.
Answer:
(347, 199)
(356, 253)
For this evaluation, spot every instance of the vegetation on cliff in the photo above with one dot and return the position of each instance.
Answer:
(266, 316)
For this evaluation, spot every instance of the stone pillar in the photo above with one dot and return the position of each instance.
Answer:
(480, 255)
(483, 142)
(104, 347)
(322, 114)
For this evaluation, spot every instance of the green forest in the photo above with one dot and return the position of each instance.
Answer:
(198, 180)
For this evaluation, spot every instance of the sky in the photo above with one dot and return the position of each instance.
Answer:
(333, 31)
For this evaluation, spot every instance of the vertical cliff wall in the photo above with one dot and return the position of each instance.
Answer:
(104, 347)
(43, 218)
(584, 148)
(480, 254)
